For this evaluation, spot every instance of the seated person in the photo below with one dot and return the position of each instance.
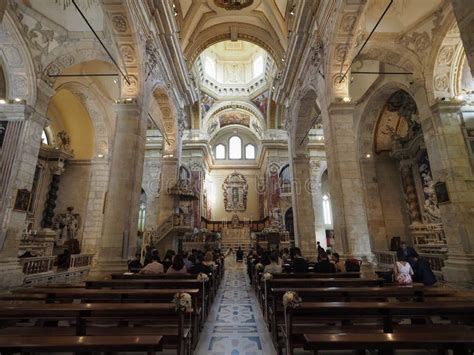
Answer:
(178, 266)
(135, 265)
(168, 259)
(155, 267)
(274, 266)
(239, 255)
(352, 265)
(423, 271)
(324, 265)
(338, 263)
(299, 264)
(403, 271)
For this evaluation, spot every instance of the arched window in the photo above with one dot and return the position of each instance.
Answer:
(235, 148)
(45, 138)
(249, 151)
(220, 151)
(327, 210)
(285, 180)
(258, 66)
(142, 212)
(210, 67)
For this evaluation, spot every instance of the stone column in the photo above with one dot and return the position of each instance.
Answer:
(121, 206)
(303, 214)
(345, 182)
(319, 225)
(450, 163)
(19, 156)
(464, 12)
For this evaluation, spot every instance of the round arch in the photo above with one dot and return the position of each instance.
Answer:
(246, 32)
(97, 115)
(17, 63)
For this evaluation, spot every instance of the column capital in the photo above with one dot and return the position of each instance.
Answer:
(128, 107)
(340, 108)
(448, 106)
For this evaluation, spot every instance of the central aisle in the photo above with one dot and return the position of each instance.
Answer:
(235, 325)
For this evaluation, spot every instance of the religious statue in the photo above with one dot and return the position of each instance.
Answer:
(67, 224)
(276, 219)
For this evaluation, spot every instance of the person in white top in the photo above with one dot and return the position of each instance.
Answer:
(154, 267)
(274, 267)
(403, 271)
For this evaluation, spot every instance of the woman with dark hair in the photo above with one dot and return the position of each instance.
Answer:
(178, 266)
(402, 270)
(338, 263)
(168, 259)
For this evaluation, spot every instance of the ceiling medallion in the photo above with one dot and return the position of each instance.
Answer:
(233, 4)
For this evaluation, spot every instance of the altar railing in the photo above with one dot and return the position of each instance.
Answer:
(38, 265)
(77, 261)
(387, 259)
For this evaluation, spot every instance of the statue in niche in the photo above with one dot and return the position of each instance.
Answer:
(235, 221)
(276, 219)
(67, 224)
(64, 142)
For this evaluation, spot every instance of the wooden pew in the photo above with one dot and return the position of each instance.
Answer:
(275, 308)
(166, 321)
(313, 275)
(263, 286)
(50, 343)
(130, 276)
(305, 318)
(54, 295)
(459, 342)
(204, 296)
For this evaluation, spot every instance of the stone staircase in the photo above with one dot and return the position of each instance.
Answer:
(233, 238)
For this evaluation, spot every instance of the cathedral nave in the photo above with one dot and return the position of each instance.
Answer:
(236, 176)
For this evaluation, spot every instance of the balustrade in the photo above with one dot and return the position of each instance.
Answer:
(38, 265)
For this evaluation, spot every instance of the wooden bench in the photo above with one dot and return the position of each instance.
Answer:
(460, 342)
(161, 318)
(54, 295)
(205, 287)
(48, 343)
(275, 309)
(312, 317)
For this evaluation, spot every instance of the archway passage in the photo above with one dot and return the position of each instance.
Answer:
(406, 200)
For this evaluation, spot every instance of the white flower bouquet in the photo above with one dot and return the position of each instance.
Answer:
(202, 277)
(267, 276)
(291, 299)
(259, 267)
(182, 301)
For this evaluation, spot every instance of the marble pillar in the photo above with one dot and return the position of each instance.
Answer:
(303, 214)
(19, 157)
(464, 13)
(317, 196)
(121, 205)
(450, 163)
(345, 183)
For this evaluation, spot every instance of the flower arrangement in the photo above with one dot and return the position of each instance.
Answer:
(270, 230)
(267, 276)
(291, 299)
(202, 277)
(182, 301)
(259, 267)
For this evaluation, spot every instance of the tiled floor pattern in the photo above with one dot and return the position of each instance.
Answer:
(235, 325)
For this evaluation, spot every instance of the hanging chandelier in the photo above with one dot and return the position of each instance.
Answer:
(84, 4)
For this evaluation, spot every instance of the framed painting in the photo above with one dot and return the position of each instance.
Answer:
(22, 200)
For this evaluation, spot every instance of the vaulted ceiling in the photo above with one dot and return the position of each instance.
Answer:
(205, 22)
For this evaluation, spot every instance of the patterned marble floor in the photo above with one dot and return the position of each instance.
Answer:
(235, 325)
